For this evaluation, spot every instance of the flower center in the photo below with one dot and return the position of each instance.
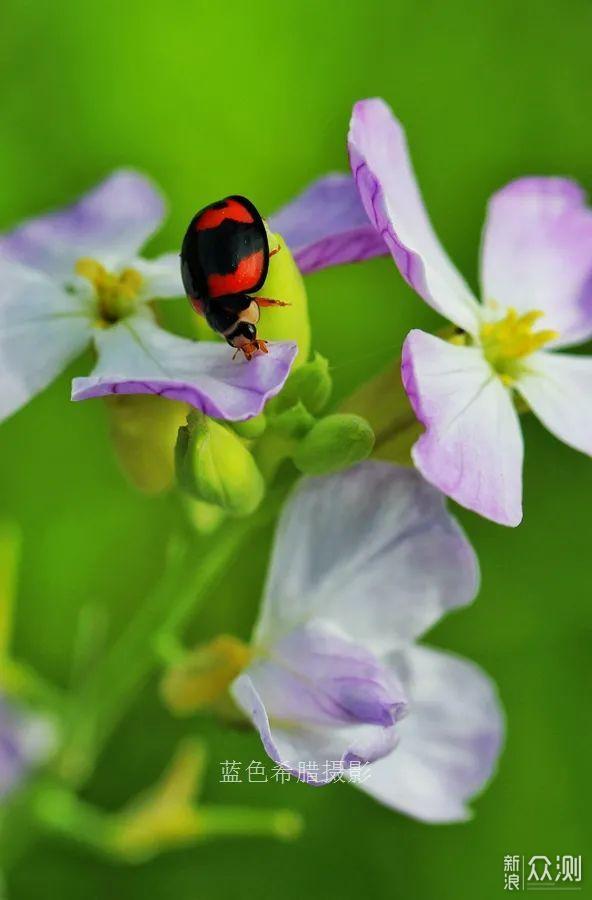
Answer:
(117, 294)
(507, 342)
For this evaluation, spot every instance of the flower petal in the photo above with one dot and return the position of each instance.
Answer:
(537, 254)
(472, 447)
(372, 550)
(307, 750)
(384, 175)
(326, 225)
(449, 743)
(161, 276)
(42, 328)
(314, 675)
(25, 740)
(137, 357)
(110, 223)
(558, 388)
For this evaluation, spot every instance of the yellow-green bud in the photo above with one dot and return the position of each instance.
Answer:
(214, 465)
(311, 384)
(284, 282)
(166, 815)
(143, 431)
(205, 517)
(203, 676)
(334, 443)
(251, 429)
(295, 422)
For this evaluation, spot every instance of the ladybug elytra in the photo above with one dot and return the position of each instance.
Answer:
(224, 259)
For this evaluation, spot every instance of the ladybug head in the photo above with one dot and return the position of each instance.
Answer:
(244, 333)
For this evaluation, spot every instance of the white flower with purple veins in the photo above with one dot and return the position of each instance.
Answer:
(364, 563)
(75, 277)
(25, 741)
(536, 280)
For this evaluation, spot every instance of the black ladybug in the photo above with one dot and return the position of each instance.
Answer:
(224, 259)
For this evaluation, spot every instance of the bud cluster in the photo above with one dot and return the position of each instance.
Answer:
(229, 466)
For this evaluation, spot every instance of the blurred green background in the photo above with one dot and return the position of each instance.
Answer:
(254, 98)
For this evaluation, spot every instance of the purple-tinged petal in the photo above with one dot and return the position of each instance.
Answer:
(472, 448)
(558, 389)
(372, 551)
(326, 225)
(308, 751)
(315, 676)
(537, 254)
(25, 740)
(110, 223)
(449, 743)
(384, 175)
(42, 328)
(137, 357)
(161, 276)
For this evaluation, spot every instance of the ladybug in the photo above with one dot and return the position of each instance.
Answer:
(224, 259)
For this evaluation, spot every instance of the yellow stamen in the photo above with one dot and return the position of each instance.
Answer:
(116, 293)
(510, 340)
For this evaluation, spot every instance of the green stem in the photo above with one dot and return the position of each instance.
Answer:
(229, 821)
(22, 681)
(271, 451)
(19, 827)
(58, 810)
(104, 698)
(397, 426)
(188, 579)
(108, 692)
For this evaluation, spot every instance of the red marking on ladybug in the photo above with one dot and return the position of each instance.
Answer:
(247, 273)
(233, 208)
(224, 259)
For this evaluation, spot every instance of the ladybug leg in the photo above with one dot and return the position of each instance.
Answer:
(253, 348)
(267, 301)
(277, 250)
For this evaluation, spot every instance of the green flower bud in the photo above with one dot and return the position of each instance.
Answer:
(201, 679)
(334, 443)
(311, 384)
(251, 429)
(143, 431)
(214, 465)
(295, 422)
(205, 517)
(284, 282)
(281, 438)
